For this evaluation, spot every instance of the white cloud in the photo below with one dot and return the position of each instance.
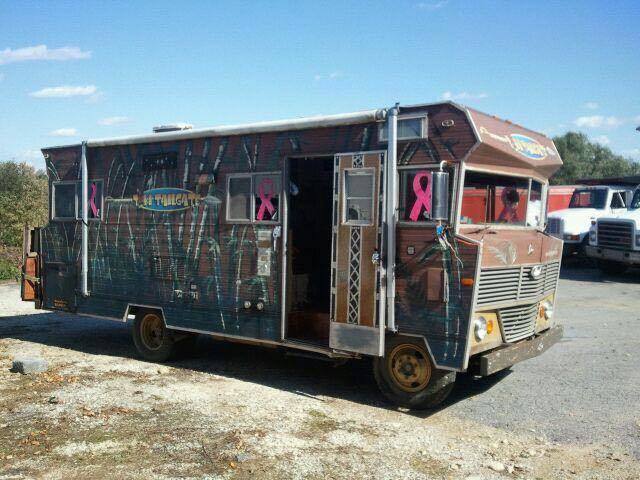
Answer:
(463, 96)
(41, 52)
(602, 140)
(591, 105)
(65, 91)
(64, 132)
(331, 76)
(433, 5)
(598, 121)
(109, 121)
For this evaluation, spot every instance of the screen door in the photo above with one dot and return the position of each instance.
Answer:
(357, 322)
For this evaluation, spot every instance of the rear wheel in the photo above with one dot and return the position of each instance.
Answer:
(151, 337)
(407, 377)
(612, 268)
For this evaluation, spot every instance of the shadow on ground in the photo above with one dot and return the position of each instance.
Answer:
(586, 270)
(276, 368)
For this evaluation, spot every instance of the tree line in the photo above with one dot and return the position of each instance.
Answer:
(24, 190)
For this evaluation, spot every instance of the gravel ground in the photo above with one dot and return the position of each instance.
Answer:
(236, 411)
(585, 389)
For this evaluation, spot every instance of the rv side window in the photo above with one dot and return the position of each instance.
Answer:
(415, 195)
(94, 199)
(409, 128)
(266, 196)
(64, 201)
(239, 199)
(358, 196)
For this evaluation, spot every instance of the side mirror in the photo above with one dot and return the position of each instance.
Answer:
(440, 196)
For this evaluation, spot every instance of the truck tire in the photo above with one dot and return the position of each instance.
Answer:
(406, 376)
(612, 268)
(153, 340)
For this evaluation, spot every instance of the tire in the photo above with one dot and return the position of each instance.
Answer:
(612, 268)
(151, 337)
(407, 378)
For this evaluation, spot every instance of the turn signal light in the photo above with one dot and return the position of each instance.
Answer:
(489, 326)
(467, 282)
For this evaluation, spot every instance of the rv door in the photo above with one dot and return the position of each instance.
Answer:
(30, 282)
(357, 318)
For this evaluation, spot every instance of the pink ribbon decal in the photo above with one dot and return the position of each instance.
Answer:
(423, 197)
(265, 199)
(92, 200)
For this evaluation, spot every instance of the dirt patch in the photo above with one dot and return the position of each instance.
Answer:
(94, 414)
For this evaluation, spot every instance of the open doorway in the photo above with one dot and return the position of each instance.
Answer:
(310, 211)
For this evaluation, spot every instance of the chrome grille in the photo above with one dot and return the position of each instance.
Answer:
(555, 226)
(518, 322)
(501, 285)
(615, 234)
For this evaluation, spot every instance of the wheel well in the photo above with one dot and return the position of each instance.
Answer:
(136, 309)
(413, 338)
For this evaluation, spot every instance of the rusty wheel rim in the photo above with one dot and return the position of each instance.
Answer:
(409, 367)
(152, 331)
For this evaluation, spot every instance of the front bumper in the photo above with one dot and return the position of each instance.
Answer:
(628, 257)
(495, 360)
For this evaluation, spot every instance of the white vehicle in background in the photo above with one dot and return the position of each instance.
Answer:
(614, 241)
(587, 205)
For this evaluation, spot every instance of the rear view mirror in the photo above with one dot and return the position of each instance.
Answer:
(440, 196)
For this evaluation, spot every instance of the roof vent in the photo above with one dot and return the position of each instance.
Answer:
(172, 127)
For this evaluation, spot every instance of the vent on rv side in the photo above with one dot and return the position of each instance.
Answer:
(172, 127)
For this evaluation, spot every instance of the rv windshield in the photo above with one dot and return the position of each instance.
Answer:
(635, 202)
(499, 199)
(588, 198)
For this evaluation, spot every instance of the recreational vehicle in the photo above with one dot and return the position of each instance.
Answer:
(411, 235)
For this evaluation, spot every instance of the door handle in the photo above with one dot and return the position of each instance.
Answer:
(277, 232)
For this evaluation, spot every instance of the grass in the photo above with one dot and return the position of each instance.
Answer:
(9, 263)
(319, 423)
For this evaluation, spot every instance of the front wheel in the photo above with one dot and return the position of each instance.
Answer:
(407, 377)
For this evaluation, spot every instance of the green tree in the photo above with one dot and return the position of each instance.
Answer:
(23, 199)
(584, 159)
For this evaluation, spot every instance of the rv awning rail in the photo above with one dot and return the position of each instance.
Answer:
(249, 128)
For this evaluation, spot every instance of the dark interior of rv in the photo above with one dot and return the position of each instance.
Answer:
(309, 260)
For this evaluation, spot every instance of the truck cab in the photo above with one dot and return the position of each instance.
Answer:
(614, 240)
(587, 204)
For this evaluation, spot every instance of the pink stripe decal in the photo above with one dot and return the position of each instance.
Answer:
(423, 197)
(92, 200)
(265, 199)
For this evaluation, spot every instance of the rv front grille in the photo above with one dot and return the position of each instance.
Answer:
(555, 226)
(518, 322)
(502, 285)
(615, 234)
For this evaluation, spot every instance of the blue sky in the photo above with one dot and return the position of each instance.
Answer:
(75, 70)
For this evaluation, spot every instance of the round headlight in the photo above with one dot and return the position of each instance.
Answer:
(480, 328)
(547, 307)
